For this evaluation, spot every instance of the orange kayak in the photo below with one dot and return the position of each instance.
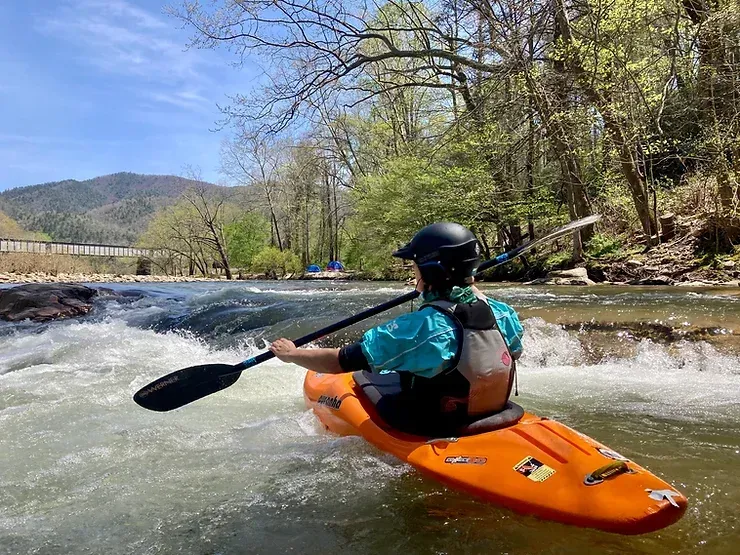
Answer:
(532, 465)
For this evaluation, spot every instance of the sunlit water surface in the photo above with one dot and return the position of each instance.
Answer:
(85, 470)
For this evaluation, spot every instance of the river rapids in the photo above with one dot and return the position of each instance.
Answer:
(653, 373)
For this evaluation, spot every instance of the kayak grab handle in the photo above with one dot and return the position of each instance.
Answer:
(607, 471)
(436, 440)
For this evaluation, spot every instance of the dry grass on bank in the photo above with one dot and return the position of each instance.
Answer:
(54, 264)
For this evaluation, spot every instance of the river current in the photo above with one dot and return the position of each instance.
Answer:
(653, 373)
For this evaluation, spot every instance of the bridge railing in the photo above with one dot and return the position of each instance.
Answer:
(50, 247)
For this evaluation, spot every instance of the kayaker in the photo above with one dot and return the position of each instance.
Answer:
(455, 355)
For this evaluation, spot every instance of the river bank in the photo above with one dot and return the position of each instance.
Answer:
(575, 277)
(107, 277)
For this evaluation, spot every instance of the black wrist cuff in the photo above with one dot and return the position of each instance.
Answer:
(352, 358)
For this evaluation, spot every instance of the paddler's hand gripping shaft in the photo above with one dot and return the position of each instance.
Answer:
(190, 384)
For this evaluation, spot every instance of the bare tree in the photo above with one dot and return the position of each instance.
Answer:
(210, 209)
(254, 162)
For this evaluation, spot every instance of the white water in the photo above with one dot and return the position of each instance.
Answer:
(84, 469)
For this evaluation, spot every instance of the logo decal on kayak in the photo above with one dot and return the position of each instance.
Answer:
(331, 402)
(661, 494)
(464, 459)
(534, 469)
(609, 454)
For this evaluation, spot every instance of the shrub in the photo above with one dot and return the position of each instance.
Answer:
(603, 245)
(276, 263)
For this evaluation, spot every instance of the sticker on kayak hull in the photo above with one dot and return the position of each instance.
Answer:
(463, 459)
(609, 454)
(661, 494)
(331, 402)
(534, 469)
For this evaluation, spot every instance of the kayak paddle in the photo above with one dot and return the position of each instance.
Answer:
(189, 384)
(195, 382)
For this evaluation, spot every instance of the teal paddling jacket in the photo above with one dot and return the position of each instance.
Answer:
(424, 342)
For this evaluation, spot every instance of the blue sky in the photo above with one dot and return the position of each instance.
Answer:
(92, 87)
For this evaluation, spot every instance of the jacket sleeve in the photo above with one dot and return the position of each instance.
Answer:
(508, 322)
(422, 342)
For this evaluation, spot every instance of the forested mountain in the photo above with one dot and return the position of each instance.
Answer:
(112, 209)
(10, 229)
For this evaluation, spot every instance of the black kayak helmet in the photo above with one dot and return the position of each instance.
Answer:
(446, 253)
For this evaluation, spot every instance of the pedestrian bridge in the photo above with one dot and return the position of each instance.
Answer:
(49, 247)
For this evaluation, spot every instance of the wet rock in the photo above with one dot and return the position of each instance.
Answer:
(575, 276)
(597, 274)
(564, 277)
(578, 273)
(656, 280)
(45, 301)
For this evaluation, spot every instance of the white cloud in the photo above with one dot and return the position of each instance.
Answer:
(123, 8)
(45, 140)
(119, 38)
(187, 99)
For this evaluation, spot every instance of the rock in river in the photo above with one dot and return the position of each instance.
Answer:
(575, 276)
(45, 301)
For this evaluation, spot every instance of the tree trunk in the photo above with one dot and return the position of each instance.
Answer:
(570, 168)
(274, 229)
(635, 179)
(614, 126)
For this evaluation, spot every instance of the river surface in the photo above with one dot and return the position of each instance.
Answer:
(653, 373)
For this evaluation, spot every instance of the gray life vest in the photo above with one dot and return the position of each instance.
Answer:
(483, 358)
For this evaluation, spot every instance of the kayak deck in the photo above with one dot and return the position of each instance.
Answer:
(536, 466)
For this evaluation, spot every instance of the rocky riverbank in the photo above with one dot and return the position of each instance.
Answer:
(43, 277)
(40, 277)
(575, 276)
(583, 276)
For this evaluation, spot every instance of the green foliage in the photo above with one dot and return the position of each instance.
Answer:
(10, 229)
(245, 238)
(557, 261)
(601, 246)
(276, 263)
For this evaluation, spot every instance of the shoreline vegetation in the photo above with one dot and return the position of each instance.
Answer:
(576, 277)
(676, 262)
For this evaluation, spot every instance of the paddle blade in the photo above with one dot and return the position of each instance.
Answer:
(185, 386)
(567, 229)
(526, 247)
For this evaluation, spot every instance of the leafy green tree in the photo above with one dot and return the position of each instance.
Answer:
(245, 238)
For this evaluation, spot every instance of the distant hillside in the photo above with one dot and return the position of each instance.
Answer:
(10, 229)
(110, 209)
